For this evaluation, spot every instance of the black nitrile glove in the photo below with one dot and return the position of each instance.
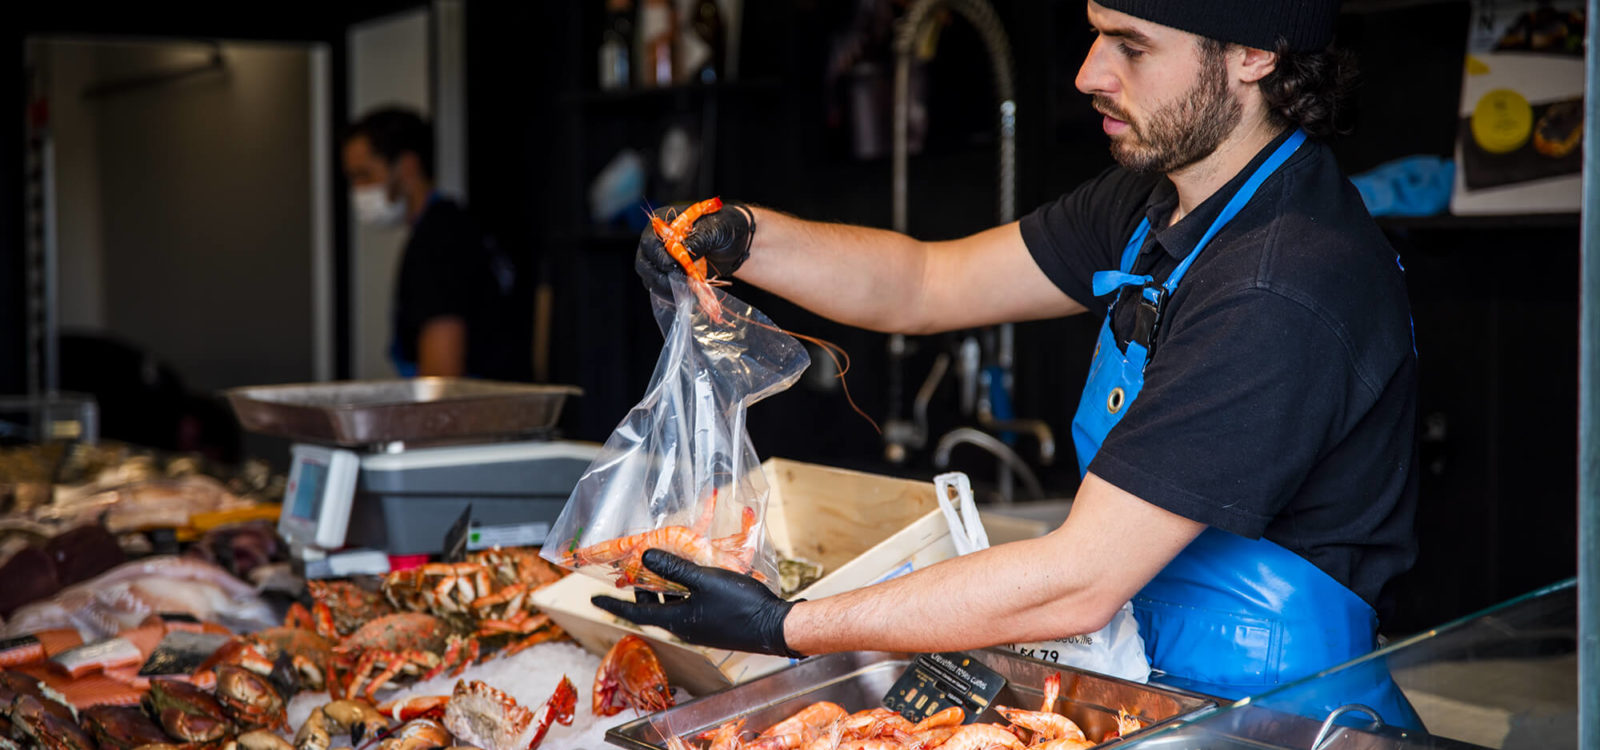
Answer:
(722, 238)
(724, 609)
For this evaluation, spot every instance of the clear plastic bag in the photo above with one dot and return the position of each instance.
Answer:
(679, 473)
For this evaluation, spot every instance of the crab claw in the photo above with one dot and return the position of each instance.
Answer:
(416, 707)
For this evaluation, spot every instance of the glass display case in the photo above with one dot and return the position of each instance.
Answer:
(1505, 678)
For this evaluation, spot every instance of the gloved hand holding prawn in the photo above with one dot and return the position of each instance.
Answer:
(721, 237)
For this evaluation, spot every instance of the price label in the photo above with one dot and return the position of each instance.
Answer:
(507, 535)
(935, 682)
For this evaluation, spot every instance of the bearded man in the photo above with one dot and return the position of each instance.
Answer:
(1246, 436)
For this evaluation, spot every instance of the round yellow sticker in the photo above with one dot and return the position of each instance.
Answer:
(1502, 121)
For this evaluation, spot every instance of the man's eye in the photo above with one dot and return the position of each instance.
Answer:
(1129, 52)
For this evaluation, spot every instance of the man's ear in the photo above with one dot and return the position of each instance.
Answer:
(1254, 64)
(409, 167)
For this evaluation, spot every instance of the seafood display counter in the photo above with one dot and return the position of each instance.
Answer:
(858, 681)
(1502, 678)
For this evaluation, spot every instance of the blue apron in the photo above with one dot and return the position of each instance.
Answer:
(1230, 616)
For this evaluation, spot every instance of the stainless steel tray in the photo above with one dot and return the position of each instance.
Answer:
(1251, 727)
(858, 680)
(366, 412)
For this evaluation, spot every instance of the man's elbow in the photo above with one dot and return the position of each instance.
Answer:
(1087, 612)
(1099, 615)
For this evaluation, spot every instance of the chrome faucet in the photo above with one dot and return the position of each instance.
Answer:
(1007, 457)
(899, 435)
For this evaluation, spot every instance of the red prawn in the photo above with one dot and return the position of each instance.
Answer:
(673, 235)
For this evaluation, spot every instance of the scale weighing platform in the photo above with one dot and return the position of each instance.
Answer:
(384, 469)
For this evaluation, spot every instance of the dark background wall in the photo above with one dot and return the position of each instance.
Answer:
(201, 205)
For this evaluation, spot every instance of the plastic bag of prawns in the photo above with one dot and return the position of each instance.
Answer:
(680, 473)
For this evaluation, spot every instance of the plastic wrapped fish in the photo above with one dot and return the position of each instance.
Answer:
(128, 595)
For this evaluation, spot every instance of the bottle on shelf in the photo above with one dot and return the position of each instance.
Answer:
(704, 47)
(616, 42)
(658, 31)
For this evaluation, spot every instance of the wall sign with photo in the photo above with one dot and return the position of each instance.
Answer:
(1519, 145)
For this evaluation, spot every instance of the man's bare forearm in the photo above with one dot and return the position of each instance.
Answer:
(999, 595)
(857, 275)
(1068, 582)
(886, 281)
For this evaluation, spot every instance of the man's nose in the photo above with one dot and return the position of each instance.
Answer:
(1094, 76)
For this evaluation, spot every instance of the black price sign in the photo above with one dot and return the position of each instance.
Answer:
(455, 540)
(935, 682)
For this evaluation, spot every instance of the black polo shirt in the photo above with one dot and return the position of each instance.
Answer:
(450, 268)
(1281, 398)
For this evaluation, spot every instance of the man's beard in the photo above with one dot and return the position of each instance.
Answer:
(1180, 134)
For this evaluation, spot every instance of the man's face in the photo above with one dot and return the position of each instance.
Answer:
(362, 165)
(1167, 104)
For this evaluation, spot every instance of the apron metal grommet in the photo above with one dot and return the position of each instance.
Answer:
(1115, 401)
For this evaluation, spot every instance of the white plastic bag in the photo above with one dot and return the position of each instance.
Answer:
(680, 472)
(1116, 649)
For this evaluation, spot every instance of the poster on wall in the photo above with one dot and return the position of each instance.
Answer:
(1519, 146)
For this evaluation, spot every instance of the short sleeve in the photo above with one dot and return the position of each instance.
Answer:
(1084, 231)
(1239, 403)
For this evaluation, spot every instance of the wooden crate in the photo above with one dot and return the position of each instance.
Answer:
(863, 528)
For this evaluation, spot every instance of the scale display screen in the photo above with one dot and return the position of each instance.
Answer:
(307, 489)
(316, 502)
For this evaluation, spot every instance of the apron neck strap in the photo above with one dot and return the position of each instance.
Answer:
(1237, 203)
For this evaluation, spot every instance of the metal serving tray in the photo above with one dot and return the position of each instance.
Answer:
(1251, 727)
(368, 412)
(858, 680)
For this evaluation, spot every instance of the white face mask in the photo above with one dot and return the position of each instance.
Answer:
(373, 206)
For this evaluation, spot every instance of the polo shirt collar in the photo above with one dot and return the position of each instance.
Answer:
(1180, 238)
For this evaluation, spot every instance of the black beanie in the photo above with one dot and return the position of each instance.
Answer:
(1307, 25)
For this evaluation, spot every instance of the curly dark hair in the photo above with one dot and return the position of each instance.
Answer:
(1305, 89)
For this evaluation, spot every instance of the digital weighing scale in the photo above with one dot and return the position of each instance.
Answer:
(383, 469)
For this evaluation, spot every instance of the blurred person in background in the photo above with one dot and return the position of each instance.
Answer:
(453, 311)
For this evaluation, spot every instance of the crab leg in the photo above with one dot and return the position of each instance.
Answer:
(394, 665)
(547, 634)
(468, 658)
(452, 652)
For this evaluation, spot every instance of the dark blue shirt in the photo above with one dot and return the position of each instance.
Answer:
(1281, 398)
(450, 268)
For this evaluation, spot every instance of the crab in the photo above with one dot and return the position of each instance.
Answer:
(481, 715)
(259, 739)
(479, 588)
(249, 698)
(339, 608)
(356, 718)
(487, 596)
(308, 652)
(186, 712)
(44, 723)
(121, 727)
(442, 589)
(416, 735)
(514, 565)
(408, 642)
